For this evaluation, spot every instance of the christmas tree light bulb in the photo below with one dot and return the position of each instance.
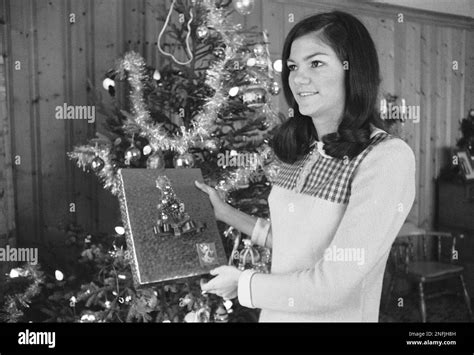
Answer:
(14, 273)
(147, 150)
(107, 83)
(120, 230)
(278, 65)
(234, 91)
(59, 275)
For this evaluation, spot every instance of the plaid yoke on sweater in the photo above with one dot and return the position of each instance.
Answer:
(322, 176)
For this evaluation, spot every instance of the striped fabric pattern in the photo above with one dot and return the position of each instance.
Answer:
(323, 176)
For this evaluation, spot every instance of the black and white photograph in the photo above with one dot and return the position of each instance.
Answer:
(240, 162)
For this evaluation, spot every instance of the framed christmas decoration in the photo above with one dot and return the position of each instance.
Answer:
(465, 164)
(170, 226)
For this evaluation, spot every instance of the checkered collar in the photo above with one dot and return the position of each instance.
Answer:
(319, 146)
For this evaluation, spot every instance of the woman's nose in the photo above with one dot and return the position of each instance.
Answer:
(301, 78)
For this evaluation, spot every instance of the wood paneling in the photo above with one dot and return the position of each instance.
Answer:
(7, 212)
(58, 58)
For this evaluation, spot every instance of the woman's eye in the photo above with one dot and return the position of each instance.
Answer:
(316, 63)
(291, 67)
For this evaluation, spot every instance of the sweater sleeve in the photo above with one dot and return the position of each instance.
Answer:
(382, 194)
(262, 233)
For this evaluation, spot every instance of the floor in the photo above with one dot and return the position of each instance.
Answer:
(448, 308)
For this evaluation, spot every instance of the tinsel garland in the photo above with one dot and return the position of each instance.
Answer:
(133, 68)
(12, 311)
(108, 174)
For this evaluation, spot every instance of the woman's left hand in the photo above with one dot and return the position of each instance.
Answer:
(225, 283)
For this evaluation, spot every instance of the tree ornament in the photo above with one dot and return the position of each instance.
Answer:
(259, 50)
(185, 160)
(251, 62)
(254, 96)
(274, 88)
(261, 63)
(204, 314)
(221, 315)
(244, 7)
(222, 189)
(241, 179)
(249, 256)
(155, 161)
(97, 164)
(228, 306)
(265, 256)
(202, 32)
(258, 62)
(235, 236)
(212, 147)
(132, 154)
(219, 52)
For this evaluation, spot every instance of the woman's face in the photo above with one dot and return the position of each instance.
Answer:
(316, 78)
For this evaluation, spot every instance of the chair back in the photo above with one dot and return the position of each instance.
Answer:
(415, 244)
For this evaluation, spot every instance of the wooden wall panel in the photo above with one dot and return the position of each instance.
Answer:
(411, 94)
(50, 80)
(442, 120)
(25, 118)
(7, 206)
(435, 103)
(469, 75)
(427, 185)
(79, 70)
(384, 41)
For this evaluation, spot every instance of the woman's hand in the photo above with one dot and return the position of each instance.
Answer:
(225, 283)
(220, 206)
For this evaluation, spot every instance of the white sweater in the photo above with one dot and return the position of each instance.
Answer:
(331, 234)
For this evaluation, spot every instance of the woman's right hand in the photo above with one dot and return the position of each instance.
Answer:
(219, 205)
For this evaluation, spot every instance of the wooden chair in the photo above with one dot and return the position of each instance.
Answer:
(423, 270)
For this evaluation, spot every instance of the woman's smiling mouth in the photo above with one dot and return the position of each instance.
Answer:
(307, 93)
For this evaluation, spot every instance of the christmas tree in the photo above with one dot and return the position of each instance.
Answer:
(210, 109)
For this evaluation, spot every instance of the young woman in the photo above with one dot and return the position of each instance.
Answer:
(343, 191)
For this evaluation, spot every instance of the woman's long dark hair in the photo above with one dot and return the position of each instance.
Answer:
(351, 41)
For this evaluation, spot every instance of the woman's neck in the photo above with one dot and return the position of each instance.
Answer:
(324, 127)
